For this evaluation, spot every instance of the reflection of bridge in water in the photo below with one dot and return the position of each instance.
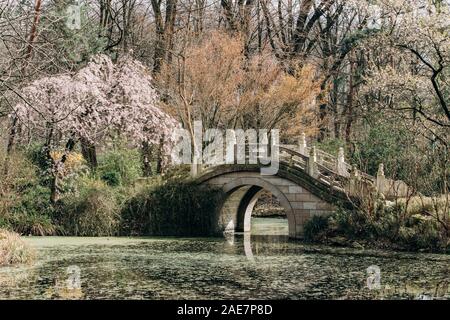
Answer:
(252, 245)
(309, 182)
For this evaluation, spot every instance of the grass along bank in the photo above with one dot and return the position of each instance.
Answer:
(414, 224)
(114, 199)
(13, 250)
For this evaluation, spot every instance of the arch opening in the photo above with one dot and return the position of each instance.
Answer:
(268, 217)
(238, 210)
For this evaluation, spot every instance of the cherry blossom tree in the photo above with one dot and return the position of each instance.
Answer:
(101, 98)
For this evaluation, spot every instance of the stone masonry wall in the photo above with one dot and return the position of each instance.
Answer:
(299, 203)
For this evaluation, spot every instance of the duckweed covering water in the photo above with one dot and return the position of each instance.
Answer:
(239, 266)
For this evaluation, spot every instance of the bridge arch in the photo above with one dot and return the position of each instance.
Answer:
(301, 196)
(242, 196)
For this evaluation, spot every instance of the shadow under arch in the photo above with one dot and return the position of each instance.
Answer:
(241, 197)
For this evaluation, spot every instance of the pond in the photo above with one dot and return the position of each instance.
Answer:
(264, 265)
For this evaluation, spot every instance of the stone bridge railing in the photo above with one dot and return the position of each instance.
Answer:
(337, 173)
(334, 171)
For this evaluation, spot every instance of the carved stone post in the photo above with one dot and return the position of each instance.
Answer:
(193, 170)
(197, 158)
(381, 179)
(341, 167)
(354, 181)
(196, 166)
(312, 163)
(302, 144)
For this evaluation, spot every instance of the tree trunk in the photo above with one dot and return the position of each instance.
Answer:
(159, 159)
(28, 52)
(335, 107)
(350, 116)
(12, 136)
(164, 32)
(323, 112)
(89, 153)
(146, 159)
(57, 167)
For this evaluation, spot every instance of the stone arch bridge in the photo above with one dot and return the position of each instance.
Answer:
(309, 182)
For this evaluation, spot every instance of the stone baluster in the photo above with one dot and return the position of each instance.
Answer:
(381, 179)
(194, 170)
(354, 181)
(197, 162)
(355, 172)
(302, 144)
(312, 163)
(341, 167)
(291, 160)
(196, 167)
